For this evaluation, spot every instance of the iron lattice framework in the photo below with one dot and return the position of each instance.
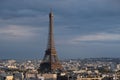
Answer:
(50, 62)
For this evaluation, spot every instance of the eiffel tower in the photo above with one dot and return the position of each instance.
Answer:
(50, 62)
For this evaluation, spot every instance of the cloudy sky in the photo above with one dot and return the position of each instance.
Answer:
(82, 28)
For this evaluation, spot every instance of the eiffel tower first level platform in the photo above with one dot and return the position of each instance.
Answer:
(50, 62)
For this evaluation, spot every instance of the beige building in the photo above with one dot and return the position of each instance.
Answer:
(41, 76)
(89, 79)
(49, 76)
(6, 77)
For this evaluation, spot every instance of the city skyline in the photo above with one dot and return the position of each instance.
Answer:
(82, 28)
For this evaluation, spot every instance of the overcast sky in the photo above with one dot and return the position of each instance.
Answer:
(82, 28)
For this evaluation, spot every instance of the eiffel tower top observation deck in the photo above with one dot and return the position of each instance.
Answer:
(50, 62)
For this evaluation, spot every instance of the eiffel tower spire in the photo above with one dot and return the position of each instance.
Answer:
(50, 35)
(50, 62)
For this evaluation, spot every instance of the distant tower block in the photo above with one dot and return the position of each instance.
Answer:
(50, 62)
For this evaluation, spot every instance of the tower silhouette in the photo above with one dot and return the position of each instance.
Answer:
(50, 62)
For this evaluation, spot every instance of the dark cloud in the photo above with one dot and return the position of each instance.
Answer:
(16, 8)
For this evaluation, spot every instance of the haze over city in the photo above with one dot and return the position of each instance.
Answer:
(82, 28)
